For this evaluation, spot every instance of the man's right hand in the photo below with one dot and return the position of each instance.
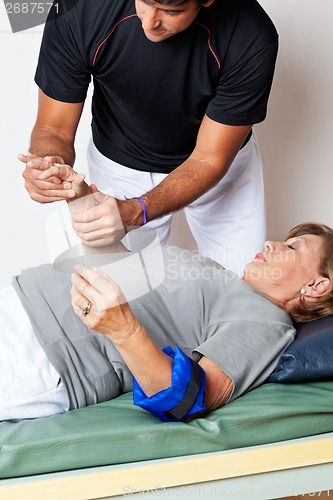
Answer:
(39, 189)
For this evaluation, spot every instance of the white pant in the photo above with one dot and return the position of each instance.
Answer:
(227, 222)
(29, 385)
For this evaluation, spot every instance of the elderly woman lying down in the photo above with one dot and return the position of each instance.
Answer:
(201, 338)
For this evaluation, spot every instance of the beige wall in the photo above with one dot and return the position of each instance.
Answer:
(296, 139)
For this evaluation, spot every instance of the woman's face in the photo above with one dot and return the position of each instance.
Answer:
(285, 268)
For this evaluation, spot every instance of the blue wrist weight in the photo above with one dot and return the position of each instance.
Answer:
(186, 395)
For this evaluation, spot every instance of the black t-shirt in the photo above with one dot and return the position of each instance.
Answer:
(150, 98)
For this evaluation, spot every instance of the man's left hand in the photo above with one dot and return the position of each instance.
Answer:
(100, 225)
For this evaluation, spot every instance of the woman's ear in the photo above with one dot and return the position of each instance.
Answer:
(316, 288)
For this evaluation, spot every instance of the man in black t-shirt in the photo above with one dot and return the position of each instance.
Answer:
(178, 85)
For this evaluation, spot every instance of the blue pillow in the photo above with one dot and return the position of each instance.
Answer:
(310, 356)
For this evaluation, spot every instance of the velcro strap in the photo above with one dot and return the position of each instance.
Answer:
(192, 391)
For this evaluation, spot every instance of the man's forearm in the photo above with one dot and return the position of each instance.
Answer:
(44, 142)
(180, 188)
(183, 186)
(217, 146)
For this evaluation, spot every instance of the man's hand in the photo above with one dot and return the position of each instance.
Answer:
(100, 225)
(40, 189)
(95, 216)
(71, 180)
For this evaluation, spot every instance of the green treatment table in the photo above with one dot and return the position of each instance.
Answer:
(273, 441)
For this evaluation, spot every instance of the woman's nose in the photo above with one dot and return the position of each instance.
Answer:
(270, 245)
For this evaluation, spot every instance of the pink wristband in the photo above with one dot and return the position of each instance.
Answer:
(143, 206)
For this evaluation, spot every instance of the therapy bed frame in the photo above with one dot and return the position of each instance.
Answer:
(273, 442)
(260, 472)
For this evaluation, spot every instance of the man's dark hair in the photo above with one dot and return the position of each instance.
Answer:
(177, 2)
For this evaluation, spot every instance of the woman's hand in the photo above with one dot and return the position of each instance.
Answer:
(102, 306)
(109, 312)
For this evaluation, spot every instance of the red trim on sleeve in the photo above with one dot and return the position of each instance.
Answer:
(108, 36)
(209, 45)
